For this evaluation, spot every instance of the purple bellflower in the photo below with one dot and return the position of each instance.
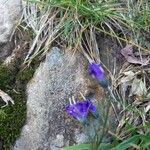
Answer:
(80, 110)
(97, 72)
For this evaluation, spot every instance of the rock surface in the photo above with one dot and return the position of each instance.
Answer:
(6, 49)
(59, 77)
(10, 13)
(48, 127)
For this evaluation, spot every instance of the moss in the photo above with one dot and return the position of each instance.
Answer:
(6, 78)
(25, 75)
(15, 115)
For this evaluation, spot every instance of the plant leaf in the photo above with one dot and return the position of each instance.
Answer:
(127, 143)
(129, 75)
(138, 88)
(104, 146)
(78, 147)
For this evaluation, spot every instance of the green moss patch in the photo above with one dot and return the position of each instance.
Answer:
(13, 117)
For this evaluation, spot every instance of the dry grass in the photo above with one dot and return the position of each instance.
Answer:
(67, 21)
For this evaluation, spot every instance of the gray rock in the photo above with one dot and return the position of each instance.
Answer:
(48, 127)
(10, 13)
(6, 49)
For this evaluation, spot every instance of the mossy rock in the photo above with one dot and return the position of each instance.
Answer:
(13, 117)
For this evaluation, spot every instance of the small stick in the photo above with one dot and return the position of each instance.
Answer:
(73, 100)
(70, 101)
(6, 98)
(82, 96)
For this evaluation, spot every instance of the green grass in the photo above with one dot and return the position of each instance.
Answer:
(126, 21)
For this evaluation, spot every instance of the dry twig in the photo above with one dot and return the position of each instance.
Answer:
(6, 98)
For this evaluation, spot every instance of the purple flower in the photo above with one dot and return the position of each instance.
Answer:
(80, 110)
(97, 72)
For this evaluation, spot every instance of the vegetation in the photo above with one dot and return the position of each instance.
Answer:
(67, 21)
(74, 25)
(12, 117)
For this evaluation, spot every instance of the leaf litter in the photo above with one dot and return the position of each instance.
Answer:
(127, 52)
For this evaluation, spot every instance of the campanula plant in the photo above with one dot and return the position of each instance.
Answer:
(81, 109)
(97, 72)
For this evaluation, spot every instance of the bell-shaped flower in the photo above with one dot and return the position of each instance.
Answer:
(97, 72)
(80, 110)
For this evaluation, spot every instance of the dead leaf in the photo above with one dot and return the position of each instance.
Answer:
(129, 75)
(148, 70)
(127, 52)
(147, 109)
(6, 98)
(148, 95)
(138, 88)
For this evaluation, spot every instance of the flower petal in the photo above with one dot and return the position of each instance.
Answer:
(82, 108)
(78, 111)
(96, 71)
